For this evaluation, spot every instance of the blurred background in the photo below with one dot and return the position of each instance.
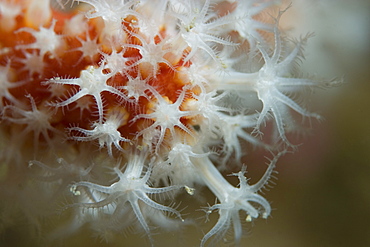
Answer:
(322, 194)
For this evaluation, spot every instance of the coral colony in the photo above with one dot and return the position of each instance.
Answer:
(114, 110)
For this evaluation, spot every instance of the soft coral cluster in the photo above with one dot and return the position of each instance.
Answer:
(164, 81)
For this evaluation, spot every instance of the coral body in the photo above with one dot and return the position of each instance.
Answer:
(112, 102)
